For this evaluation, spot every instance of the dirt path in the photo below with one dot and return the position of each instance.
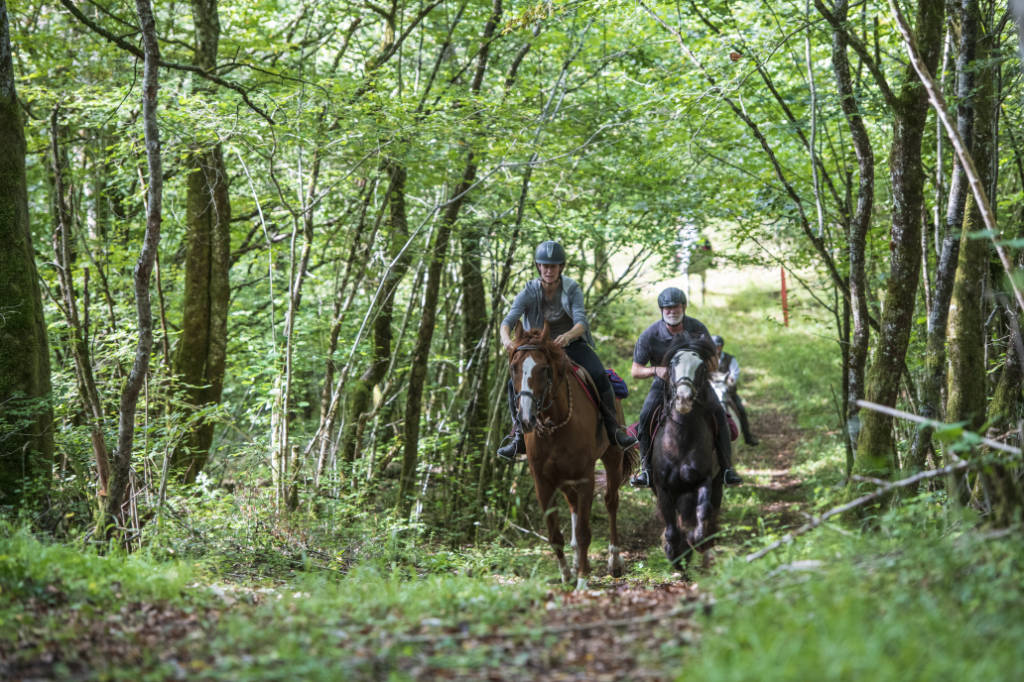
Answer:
(599, 634)
(602, 633)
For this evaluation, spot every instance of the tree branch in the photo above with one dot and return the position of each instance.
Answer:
(137, 52)
(966, 160)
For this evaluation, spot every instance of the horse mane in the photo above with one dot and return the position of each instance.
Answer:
(701, 344)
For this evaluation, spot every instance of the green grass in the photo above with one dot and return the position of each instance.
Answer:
(927, 599)
(350, 594)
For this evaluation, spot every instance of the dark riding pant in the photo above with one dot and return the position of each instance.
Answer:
(584, 356)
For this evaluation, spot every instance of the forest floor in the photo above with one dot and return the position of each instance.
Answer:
(603, 632)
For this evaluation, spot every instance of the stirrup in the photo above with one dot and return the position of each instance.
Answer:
(515, 446)
(642, 479)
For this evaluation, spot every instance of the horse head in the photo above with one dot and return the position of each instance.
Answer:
(687, 362)
(536, 364)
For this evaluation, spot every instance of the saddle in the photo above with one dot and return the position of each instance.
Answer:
(657, 418)
(619, 388)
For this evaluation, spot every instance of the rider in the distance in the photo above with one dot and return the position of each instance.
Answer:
(731, 366)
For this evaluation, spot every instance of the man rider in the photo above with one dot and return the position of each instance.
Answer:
(558, 301)
(650, 349)
(731, 366)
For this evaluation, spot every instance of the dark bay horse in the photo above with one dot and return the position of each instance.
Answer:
(564, 439)
(687, 479)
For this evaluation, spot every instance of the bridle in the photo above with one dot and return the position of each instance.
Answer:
(546, 399)
(695, 384)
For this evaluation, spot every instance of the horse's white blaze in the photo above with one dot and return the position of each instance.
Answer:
(685, 365)
(525, 402)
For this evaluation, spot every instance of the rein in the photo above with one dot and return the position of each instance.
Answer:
(544, 425)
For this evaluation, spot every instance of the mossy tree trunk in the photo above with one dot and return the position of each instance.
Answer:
(360, 391)
(875, 449)
(201, 355)
(946, 270)
(965, 382)
(860, 222)
(118, 501)
(26, 435)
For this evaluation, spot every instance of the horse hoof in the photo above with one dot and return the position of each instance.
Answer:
(616, 566)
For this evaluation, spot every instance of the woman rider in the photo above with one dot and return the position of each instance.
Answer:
(558, 301)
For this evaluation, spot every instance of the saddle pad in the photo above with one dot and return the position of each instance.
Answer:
(619, 387)
(583, 376)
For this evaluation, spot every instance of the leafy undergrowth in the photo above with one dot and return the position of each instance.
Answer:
(224, 591)
(925, 598)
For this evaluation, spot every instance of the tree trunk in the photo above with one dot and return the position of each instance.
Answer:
(120, 481)
(201, 354)
(859, 225)
(26, 419)
(875, 449)
(965, 384)
(418, 371)
(77, 331)
(967, 378)
(360, 391)
(946, 271)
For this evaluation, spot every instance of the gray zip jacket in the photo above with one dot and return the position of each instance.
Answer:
(527, 305)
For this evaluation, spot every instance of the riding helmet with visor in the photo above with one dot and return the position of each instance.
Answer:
(549, 253)
(670, 297)
(718, 341)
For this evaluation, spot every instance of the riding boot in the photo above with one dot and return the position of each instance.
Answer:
(642, 479)
(616, 433)
(748, 437)
(724, 447)
(516, 444)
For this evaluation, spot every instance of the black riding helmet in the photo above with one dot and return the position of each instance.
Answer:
(718, 340)
(549, 253)
(670, 297)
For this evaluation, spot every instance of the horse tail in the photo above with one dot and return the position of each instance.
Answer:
(630, 458)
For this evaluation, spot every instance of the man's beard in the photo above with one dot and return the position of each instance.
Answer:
(672, 319)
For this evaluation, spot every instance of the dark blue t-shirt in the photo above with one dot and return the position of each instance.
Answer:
(655, 340)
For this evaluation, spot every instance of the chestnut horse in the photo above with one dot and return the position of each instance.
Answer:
(687, 479)
(565, 437)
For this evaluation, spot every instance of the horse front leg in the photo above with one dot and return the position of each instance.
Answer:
(581, 498)
(546, 498)
(701, 532)
(675, 539)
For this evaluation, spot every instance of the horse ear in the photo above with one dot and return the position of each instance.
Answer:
(545, 332)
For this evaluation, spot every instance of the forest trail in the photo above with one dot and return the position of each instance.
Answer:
(602, 633)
